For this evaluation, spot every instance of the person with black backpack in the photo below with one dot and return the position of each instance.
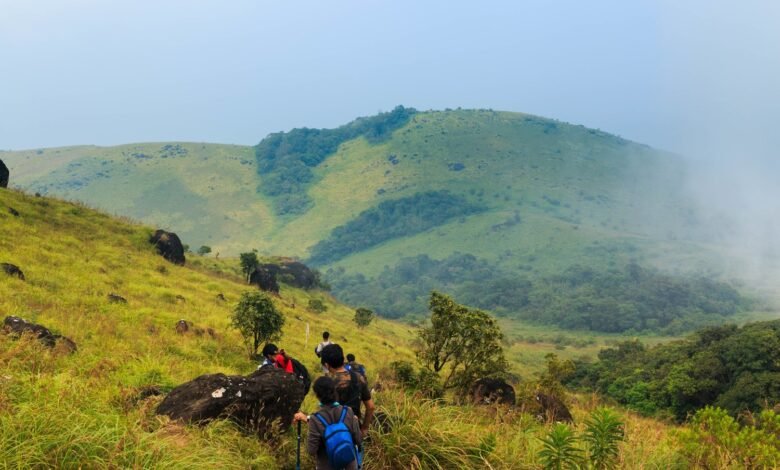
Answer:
(351, 387)
(334, 430)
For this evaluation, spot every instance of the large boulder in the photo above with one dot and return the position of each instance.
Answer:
(293, 273)
(492, 391)
(553, 409)
(17, 326)
(169, 246)
(264, 401)
(12, 270)
(4, 174)
(264, 279)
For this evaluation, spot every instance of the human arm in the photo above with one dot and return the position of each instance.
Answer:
(369, 404)
(315, 437)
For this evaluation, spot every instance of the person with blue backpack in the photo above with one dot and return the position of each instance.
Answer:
(334, 430)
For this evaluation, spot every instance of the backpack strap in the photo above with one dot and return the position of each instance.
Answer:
(343, 414)
(322, 420)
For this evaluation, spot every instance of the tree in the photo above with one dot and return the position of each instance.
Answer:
(462, 343)
(248, 262)
(204, 250)
(363, 317)
(257, 319)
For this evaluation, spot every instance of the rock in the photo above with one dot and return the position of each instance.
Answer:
(180, 298)
(293, 273)
(492, 391)
(4, 174)
(116, 299)
(17, 326)
(12, 270)
(182, 327)
(264, 401)
(265, 279)
(221, 297)
(13, 212)
(554, 410)
(169, 246)
(212, 334)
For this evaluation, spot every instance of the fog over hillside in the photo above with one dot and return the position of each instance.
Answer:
(722, 106)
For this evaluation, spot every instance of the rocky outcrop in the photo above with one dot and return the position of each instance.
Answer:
(4, 175)
(169, 246)
(12, 270)
(293, 273)
(492, 391)
(264, 279)
(552, 409)
(263, 402)
(17, 326)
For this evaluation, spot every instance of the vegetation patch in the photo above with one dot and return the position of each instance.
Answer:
(736, 369)
(391, 219)
(285, 159)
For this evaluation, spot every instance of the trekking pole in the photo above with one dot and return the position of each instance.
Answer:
(298, 454)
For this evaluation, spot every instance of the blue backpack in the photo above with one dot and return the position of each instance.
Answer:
(338, 441)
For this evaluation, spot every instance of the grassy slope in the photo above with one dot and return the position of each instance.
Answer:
(58, 410)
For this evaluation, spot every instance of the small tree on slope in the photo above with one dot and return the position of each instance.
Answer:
(257, 319)
(461, 344)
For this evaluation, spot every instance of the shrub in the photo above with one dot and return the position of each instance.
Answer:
(559, 451)
(363, 317)
(316, 305)
(603, 434)
(257, 319)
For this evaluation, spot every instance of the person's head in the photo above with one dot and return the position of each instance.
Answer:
(350, 357)
(269, 351)
(325, 335)
(325, 390)
(332, 356)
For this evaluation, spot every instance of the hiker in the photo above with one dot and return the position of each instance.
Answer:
(318, 350)
(275, 357)
(351, 387)
(333, 451)
(353, 365)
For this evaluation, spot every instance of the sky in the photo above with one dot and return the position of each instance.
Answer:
(667, 73)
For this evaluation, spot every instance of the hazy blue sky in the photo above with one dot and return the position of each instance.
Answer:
(673, 74)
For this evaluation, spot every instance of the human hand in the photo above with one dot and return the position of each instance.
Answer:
(299, 416)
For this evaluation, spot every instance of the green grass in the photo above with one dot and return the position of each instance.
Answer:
(81, 410)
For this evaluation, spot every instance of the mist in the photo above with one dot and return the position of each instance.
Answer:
(721, 108)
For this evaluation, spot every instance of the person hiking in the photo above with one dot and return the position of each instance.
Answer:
(356, 366)
(351, 387)
(325, 342)
(275, 357)
(330, 451)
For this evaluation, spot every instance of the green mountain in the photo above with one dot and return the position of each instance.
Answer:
(469, 201)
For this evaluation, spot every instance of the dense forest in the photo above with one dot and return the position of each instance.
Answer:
(285, 159)
(737, 369)
(391, 219)
(633, 299)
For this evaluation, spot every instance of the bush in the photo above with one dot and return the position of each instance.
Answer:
(316, 305)
(363, 317)
(603, 434)
(257, 319)
(204, 250)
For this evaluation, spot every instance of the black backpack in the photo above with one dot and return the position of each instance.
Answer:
(300, 371)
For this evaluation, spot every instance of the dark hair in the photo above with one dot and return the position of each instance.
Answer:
(350, 357)
(325, 390)
(325, 335)
(332, 355)
(269, 349)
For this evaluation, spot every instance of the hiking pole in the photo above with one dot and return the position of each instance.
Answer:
(298, 454)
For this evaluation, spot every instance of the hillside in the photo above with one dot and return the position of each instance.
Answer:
(85, 409)
(526, 196)
(60, 410)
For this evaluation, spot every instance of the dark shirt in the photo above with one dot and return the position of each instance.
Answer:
(315, 445)
(351, 394)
